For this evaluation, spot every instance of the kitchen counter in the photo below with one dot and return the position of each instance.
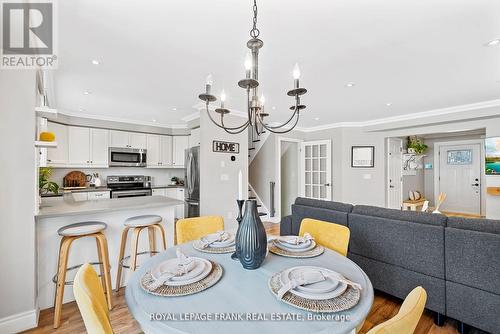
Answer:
(66, 206)
(163, 186)
(56, 212)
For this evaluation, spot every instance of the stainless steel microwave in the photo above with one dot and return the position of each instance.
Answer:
(127, 157)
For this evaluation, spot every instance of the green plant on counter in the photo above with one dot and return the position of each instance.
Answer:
(416, 143)
(44, 185)
(175, 179)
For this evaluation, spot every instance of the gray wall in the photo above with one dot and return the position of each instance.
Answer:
(289, 175)
(218, 174)
(17, 199)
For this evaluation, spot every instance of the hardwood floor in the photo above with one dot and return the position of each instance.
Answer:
(384, 307)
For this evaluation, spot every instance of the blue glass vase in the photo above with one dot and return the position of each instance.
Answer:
(251, 238)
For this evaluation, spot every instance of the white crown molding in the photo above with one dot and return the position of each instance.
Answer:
(121, 120)
(409, 117)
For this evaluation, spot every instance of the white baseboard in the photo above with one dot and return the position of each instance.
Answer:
(19, 322)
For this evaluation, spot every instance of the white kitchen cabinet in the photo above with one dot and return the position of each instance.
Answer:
(158, 192)
(99, 147)
(159, 151)
(79, 146)
(180, 144)
(166, 150)
(126, 139)
(58, 156)
(97, 195)
(137, 140)
(118, 139)
(194, 137)
(154, 151)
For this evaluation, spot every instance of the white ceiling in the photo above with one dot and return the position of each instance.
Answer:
(155, 55)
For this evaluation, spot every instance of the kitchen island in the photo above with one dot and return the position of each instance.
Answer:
(56, 212)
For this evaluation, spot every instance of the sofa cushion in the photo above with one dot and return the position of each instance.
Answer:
(286, 225)
(411, 216)
(410, 245)
(475, 224)
(399, 282)
(300, 212)
(337, 206)
(473, 306)
(473, 258)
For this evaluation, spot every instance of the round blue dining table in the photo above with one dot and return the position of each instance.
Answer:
(241, 302)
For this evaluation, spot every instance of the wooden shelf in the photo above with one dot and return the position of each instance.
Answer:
(46, 112)
(494, 191)
(48, 144)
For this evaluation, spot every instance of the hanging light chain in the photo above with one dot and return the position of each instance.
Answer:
(254, 33)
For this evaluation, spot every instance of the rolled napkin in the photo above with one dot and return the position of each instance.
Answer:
(211, 238)
(184, 266)
(292, 239)
(311, 277)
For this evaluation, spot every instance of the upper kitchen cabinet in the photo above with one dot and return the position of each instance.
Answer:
(159, 154)
(194, 138)
(126, 139)
(87, 147)
(58, 156)
(180, 144)
(99, 144)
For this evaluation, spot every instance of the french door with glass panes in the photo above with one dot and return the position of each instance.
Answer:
(316, 169)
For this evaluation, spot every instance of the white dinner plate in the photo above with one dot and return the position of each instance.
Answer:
(289, 242)
(337, 291)
(201, 270)
(329, 284)
(285, 247)
(218, 244)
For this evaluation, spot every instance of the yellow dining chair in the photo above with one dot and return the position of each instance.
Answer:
(330, 235)
(91, 301)
(408, 316)
(189, 229)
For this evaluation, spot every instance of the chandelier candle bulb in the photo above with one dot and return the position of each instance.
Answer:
(296, 75)
(222, 98)
(208, 84)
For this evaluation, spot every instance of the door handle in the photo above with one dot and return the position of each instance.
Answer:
(391, 186)
(327, 184)
(476, 184)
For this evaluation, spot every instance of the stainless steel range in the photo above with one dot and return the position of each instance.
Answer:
(128, 186)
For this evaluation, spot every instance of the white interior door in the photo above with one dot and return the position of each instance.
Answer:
(316, 169)
(394, 173)
(460, 178)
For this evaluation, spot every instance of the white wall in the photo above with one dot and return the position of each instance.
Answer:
(218, 174)
(17, 201)
(289, 175)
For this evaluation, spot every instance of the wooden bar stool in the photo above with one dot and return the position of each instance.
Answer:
(69, 234)
(137, 224)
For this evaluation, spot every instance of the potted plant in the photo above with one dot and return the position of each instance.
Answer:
(174, 180)
(44, 185)
(416, 145)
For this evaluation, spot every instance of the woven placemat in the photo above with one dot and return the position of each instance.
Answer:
(213, 250)
(183, 290)
(316, 251)
(343, 302)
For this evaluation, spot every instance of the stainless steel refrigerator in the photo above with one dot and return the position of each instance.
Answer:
(192, 182)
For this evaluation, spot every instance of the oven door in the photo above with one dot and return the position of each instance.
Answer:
(130, 193)
(126, 157)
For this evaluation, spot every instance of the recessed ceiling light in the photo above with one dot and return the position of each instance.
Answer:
(174, 108)
(87, 92)
(154, 120)
(81, 109)
(316, 118)
(95, 62)
(350, 84)
(493, 42)
(388, 104)
(273, 108)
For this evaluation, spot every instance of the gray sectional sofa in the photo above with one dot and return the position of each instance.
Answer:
(457, 260)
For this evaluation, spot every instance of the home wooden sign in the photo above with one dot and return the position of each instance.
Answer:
(225, 147)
